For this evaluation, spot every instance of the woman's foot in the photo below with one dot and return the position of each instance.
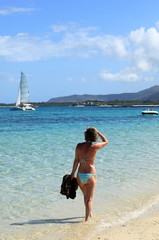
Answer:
(91, 215)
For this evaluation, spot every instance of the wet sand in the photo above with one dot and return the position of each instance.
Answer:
(143, 229)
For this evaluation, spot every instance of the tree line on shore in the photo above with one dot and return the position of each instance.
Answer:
(92, 103)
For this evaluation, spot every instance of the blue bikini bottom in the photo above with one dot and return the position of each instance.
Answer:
(85, 176)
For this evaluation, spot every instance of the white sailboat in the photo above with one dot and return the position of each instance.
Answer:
(23, 95)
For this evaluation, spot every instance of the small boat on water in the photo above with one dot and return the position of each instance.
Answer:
(149, 112)
(23, 95)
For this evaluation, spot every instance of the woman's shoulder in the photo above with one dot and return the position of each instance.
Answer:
(79, 145)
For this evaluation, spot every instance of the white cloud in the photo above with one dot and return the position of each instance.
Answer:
(59, 28)
(72, 27)
(12, 10)
(24, 47)
(142, 55)
(139, 49)
(126, 75)
(145, 49)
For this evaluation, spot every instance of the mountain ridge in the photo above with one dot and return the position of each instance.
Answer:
(148, 94)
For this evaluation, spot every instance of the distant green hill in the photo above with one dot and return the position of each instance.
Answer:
(149, 94)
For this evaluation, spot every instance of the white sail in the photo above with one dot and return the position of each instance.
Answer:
(23, 93)
(18, 98)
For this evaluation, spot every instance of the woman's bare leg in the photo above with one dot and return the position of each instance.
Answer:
(90, 187)
(88, 192)
(82, 187)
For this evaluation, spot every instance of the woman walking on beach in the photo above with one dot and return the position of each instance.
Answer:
(85, 154)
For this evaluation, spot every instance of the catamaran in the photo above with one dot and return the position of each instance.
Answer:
(23, 95)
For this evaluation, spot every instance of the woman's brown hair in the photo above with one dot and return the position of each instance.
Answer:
(91, 134)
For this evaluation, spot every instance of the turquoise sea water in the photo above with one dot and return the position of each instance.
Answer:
(37, 149)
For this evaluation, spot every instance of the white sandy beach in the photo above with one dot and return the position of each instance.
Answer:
(145, 228)
(141, 229)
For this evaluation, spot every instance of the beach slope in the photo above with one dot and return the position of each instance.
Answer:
(145, 228)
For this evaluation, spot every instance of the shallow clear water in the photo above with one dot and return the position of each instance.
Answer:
(37, 149)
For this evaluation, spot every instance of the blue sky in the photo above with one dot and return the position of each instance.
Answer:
(70, 47)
